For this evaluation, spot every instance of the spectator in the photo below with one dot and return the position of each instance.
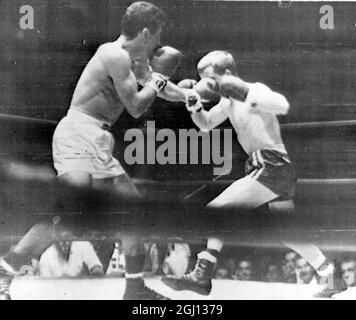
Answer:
(348, 269)
(152, 263)
(69, 259)
(177, 260)
(244, 271)
(231, 265)
(289, 266)
(305, 272)
(222, 273)
(272, 273)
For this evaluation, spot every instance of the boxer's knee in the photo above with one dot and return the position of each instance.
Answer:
(286, 206)
(77, 179)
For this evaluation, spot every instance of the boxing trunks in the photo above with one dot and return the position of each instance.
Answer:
(83, 143)
(274, 170)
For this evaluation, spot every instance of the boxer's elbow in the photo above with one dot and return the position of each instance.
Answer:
(201, 124)
(134, 112)
(136, 108)
(285, 107)
(279, 104)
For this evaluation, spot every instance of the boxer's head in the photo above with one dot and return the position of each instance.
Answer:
(216, 64)
(143, 23)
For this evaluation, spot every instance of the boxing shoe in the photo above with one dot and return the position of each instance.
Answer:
(137, 290)
(199, 280)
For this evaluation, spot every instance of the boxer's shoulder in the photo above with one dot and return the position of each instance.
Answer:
(112, 55)
(257, 86)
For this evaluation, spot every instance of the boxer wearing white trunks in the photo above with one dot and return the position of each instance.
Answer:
(83, 144)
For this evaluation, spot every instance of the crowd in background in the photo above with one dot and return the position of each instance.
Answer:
(104, 258)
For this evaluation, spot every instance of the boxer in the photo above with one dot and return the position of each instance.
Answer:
(82, 142)
(252, 109)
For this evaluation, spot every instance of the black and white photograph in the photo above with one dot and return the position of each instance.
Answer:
(161, 150)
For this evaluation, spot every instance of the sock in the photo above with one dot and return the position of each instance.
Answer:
(215, 244)
(206, 255)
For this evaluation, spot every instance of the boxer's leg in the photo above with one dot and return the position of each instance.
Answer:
(38, 239)
(285, 206)
(245, 193)
(331, 274)
(122, 185)
(310, 253)
(135, 253)
(77, 179)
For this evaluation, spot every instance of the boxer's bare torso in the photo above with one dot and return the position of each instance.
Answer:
(95, 93)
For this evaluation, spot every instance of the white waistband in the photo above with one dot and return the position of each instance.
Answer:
(80, 116)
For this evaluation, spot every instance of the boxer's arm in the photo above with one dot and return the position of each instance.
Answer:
(118, 67)
(258, 96)
(208, 120)
(264, 99)
(173, 93)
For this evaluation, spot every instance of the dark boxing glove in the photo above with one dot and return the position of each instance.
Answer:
(164, 63)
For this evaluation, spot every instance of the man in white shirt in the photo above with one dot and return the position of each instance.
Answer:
(305, 273)
(69, 259)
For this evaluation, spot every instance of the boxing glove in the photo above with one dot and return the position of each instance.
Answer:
(164, 63)
(187, 84)
(208, 90)
(166, 60)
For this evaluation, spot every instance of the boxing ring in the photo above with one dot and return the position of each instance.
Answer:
(325, 216)
(27, 288)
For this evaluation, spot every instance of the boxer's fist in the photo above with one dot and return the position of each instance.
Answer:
(193, 101)
(192, 97)
(208, 90)
(166, 61)
(187, 84)
(233, 87)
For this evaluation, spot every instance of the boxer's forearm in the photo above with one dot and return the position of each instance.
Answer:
(141, 101)
(173, 93)
(271, 102)
(201, 120)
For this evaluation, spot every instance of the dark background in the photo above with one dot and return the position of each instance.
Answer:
(284, 48)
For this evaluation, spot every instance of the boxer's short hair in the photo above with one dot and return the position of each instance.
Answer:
(219, 60)
(141, 15)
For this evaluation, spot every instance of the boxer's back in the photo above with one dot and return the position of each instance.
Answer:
(95, 93)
